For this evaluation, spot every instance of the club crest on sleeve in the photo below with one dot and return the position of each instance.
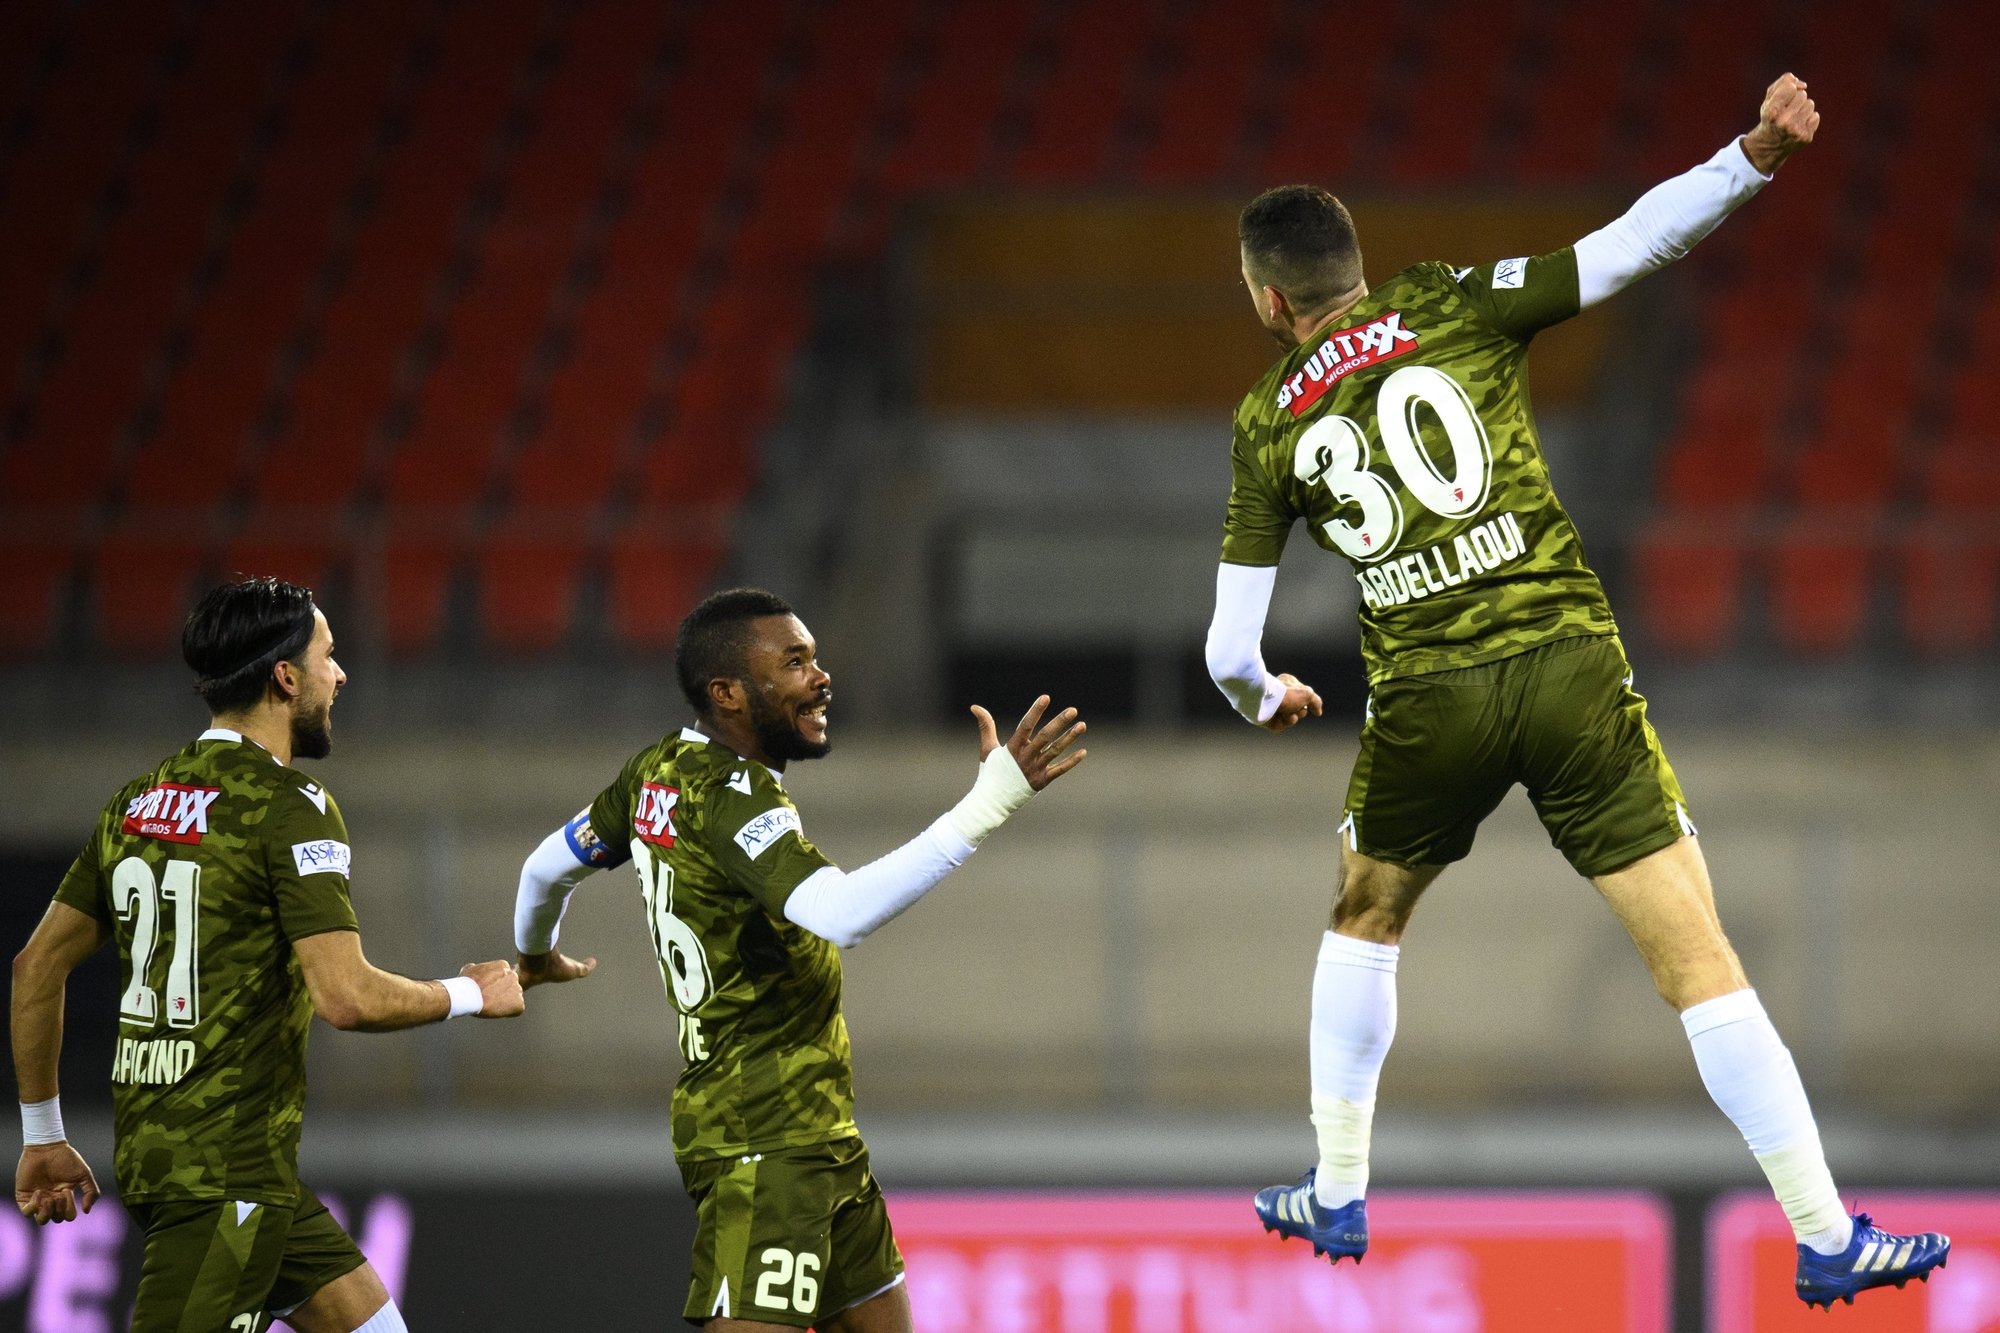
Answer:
(584, 844)
(322, 856)
(766, 829)
(653, 820)
(171, 812)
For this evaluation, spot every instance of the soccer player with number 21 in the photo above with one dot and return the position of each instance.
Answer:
(220, 876)
(1397, 426)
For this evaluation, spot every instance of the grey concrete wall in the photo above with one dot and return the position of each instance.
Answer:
(1143, 935)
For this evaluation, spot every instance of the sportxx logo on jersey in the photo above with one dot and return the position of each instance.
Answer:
(170, 812)
(1344, 352)
(654, 819)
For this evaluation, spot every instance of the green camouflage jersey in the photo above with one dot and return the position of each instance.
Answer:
(206, 870)
(718, 848)
(1404, 438)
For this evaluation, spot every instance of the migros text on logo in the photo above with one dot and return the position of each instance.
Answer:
(170, 812)
(1344, 352)
(654, 819)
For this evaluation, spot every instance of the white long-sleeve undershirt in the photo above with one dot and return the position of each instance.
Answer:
(1664, 224)
(1235, 648)
(847, 907)
(844, 907)
(548, 877)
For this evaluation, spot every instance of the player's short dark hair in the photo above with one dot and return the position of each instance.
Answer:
(713, 638)
(236, 634)
(1299, 239)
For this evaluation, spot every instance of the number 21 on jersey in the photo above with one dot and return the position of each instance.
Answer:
(1333, 453)
(683, 961)
(136, 896)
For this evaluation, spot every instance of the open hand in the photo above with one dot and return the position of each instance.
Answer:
(552, 967)
(499, 988)
(1043, 755)
(1300, 702)
(51, 1183)
(1786, 122)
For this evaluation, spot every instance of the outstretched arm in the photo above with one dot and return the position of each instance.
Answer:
(548, 877)
(1670, 218)
(354, 995)
(52, 1178)
(1235, 651)
(846, 907)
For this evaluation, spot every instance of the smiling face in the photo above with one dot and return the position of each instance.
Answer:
(317, 679)
(785, 690)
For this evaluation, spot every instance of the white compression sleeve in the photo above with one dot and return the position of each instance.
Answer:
(1664, 224)
(848, 907)
(1235, 640)
(549, 875)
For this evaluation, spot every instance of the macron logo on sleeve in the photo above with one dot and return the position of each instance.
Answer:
(321, 857)
(170, 812)
(766, 829)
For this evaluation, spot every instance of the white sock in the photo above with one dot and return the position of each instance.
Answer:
(1353, 1022)
(1750, 1074)
(388, 1319)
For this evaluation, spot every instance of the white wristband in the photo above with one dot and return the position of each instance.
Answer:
(1000, 791)
(465, 994)
(41, 1122)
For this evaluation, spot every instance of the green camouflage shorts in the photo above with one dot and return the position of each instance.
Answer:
(786, 1237)
(1439, 751)
(225, 1267)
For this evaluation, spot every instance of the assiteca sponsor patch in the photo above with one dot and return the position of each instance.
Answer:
(1510, 274)
(322, 856)
(766, 829)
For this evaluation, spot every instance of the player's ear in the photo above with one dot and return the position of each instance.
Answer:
(726, 695)
(285, 679)
(1276, 308)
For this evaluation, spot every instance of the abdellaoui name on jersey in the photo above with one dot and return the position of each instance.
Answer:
(1483, 549)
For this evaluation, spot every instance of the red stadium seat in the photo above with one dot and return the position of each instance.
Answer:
(1690, 569)
(1963, 477)
(145, 587)
(1950, 594)
(528, 591)
(416, 574)
(1820, 567)
(655, 578)
(34, 579)
(281, 553)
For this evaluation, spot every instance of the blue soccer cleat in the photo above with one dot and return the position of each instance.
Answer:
(1291, 1210)
(1874, 1258)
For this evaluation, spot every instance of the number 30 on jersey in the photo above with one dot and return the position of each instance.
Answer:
(1334, 453)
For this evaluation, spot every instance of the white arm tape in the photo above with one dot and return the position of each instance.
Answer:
(999, 791)
(1235, 640)
(465, 996)
(41, 1122)
(548, 877)
(1664, 224)
(846, 908)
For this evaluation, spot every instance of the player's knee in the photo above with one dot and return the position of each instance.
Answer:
(1369, 906)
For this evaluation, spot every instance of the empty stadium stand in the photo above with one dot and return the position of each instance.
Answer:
(499, 297)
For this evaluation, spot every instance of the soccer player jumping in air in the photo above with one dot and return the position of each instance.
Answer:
(1397, 426)
(222, 876)
(748, 919)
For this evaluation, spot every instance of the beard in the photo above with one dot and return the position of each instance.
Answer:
(312, 734)
(777, 732)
